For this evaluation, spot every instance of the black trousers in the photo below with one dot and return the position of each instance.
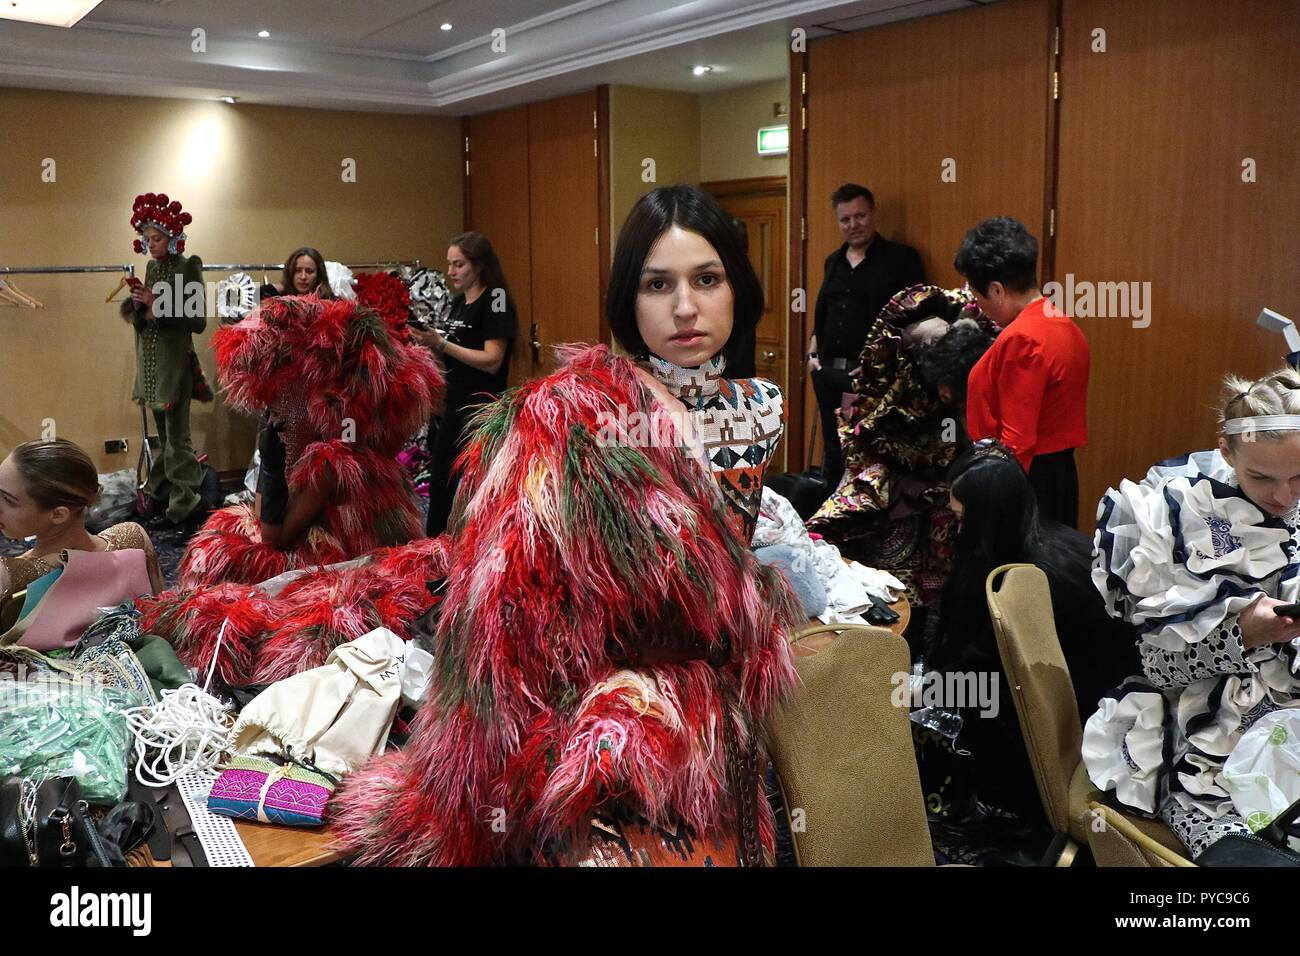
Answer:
(1055, 481)
(829, 386)
(445, 441)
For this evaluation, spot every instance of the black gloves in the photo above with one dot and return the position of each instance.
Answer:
(272, 484)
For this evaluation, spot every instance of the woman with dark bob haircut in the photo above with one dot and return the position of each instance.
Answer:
(692, 209)
(680, 289)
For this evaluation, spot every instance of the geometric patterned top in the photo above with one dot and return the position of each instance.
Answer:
(740, 423)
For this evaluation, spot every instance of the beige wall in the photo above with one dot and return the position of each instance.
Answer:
(729, 124)
(259, 181)
(693, 137)
(649, 124)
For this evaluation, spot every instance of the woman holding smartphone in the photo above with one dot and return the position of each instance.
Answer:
(1201, 557)
(475, 354)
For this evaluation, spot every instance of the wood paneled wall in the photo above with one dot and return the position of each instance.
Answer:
(534, 188)
(1154, 134)
(966, 94)
(1141, 158)
(889, 107)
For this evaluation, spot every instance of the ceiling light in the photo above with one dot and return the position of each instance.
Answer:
(701, 70)
(53, 13)
(264, 33)
(232, 100)
(446, 26)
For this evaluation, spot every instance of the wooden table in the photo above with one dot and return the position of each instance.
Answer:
(818, 636)
(272, 845)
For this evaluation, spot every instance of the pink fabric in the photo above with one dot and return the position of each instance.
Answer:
(91, 580)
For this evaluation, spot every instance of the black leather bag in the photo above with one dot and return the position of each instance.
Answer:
(805, 491)
(47, 824)
(1269, 847)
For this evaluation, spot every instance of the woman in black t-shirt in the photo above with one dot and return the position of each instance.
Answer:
(475, 353)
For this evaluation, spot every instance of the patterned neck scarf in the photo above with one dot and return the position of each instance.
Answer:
(694, 386)
(740, 423)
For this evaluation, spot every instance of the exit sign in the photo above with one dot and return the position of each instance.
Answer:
(773, 140)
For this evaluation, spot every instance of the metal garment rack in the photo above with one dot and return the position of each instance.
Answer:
(268, 266)
(129, 268)
(62, 270)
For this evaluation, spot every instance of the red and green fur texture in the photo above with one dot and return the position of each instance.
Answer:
(271, 638)
(567, 554)
(364, 388)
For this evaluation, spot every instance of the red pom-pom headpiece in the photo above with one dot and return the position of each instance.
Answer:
(165, 215)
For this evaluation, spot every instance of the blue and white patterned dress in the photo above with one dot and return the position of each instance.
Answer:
(1180, 556)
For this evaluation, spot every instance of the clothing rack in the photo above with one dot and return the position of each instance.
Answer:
(267, 266)
(62, 270)
(129, 269)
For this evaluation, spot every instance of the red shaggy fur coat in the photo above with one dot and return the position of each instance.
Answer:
(363, 389)
(579, 571)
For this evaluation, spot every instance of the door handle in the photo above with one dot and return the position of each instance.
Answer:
(536, 343)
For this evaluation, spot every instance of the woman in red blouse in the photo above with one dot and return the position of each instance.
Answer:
(1030, 390)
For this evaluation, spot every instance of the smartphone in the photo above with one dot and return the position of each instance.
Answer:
(134, 283)
(1287, 610)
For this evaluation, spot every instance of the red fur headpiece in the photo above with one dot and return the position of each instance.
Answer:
(355, 371)
(165, 215)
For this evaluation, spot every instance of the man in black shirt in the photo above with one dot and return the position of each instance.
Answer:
(860, 277)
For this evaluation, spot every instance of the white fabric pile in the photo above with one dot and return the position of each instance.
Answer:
(848, 586)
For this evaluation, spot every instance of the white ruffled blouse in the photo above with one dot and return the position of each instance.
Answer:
(1180, 555)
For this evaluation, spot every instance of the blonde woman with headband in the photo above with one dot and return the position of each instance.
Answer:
(1198, 557)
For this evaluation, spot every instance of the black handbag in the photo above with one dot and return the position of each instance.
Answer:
(47, 824)
(805, 491)
(1269, 847)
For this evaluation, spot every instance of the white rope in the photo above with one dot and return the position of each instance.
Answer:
(187, 731)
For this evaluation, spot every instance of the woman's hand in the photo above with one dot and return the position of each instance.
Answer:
(1260, 626)
(430, 338)
(145, 296)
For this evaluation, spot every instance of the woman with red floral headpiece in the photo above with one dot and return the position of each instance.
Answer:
(168, 310)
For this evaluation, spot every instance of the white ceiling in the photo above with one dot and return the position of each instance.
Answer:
(390, 55)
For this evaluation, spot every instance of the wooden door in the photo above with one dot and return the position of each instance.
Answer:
(761, 205)
(946, 119)
(564, 215)
(1155, 138)
(496, 204)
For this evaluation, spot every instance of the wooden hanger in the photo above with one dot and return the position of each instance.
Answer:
(121, 283)
(14, 296)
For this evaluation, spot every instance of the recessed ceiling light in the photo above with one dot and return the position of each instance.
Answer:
(232, 100)
(446, 26)
(264, 33)
(701, 70)
(54, 13)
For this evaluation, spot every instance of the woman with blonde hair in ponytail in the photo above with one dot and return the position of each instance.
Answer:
(1201, 557)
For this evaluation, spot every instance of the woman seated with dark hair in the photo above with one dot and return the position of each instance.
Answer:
(974, 764)
(608, 646)
(304, 274)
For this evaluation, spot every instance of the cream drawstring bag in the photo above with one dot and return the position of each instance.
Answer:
(300, 735)
(336, 716)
